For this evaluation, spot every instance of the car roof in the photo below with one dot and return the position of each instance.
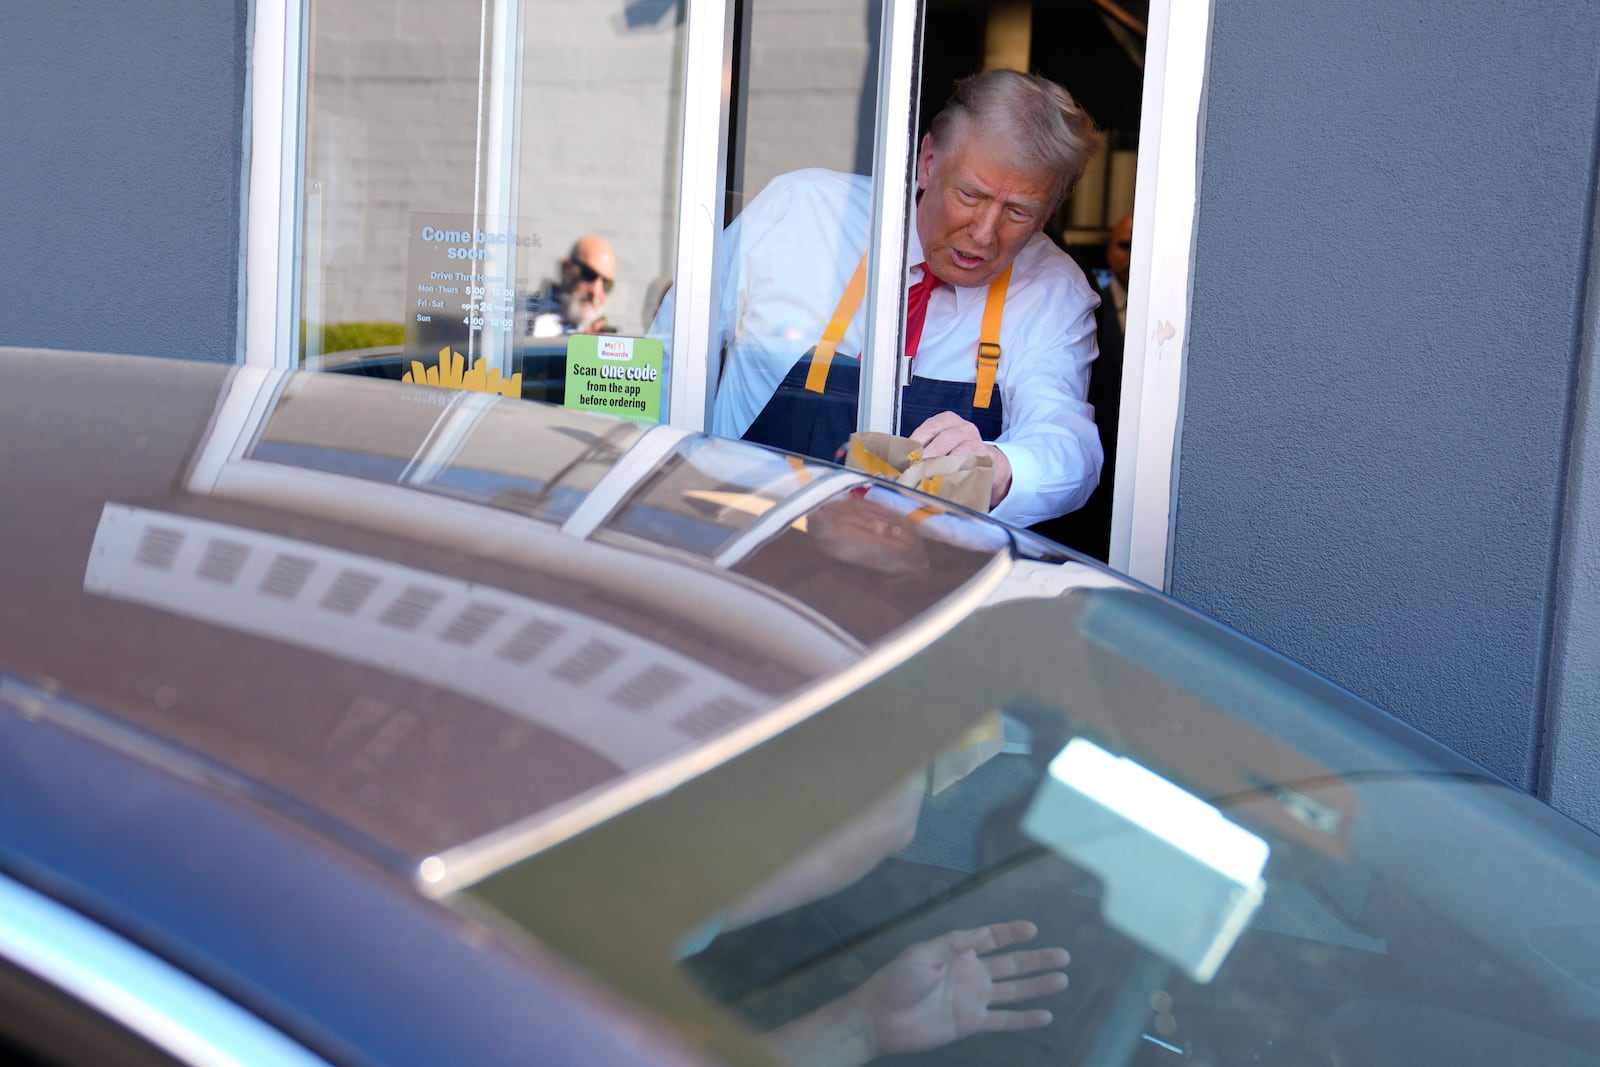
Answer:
(414, 619)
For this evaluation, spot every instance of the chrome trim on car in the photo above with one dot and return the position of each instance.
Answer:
(241, 411)
(453, 429)
(142, 992)
(784, 514)
(635, 465)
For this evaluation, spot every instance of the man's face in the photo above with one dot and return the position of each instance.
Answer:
(975, 213)
(1119, 250)
(586, 276)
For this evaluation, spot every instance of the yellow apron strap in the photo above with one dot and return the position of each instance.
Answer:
(822, 358)
(989, 340)
(850, 303)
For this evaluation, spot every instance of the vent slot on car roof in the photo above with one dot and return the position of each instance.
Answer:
(411, 608)
(348, 592)
(712, 716)
(528, 642)
(586, 664)
(468, 628)
(287, 576)
(159, 547)
(223, 561)
(648, 688)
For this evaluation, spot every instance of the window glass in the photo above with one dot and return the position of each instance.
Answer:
(1233, 862)
(872, 559)
(455, 443)
(706, 493)
(496, 466)
(485, 180)
(798, 212)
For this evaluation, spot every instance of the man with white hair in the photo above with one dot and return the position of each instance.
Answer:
(1000, 327)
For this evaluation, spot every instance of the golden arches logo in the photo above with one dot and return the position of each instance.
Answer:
(451, 373)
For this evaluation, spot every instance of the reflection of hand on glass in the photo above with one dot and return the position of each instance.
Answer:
(933, 993)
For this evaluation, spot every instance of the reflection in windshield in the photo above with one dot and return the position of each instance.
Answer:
(1440, 917)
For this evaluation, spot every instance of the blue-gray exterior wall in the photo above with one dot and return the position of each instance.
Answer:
(120, 159)
(1391, 255)
(1572, 764)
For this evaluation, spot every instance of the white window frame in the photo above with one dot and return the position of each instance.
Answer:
(275, 108)
(899, 75)
(1156, 349)
(702, 177)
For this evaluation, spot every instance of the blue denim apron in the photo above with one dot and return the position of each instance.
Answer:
(813, 411)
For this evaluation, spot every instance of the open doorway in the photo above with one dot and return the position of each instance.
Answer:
(1096, 49)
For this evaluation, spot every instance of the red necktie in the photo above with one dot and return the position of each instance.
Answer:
(917, 308)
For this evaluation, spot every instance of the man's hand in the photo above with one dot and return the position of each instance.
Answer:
(948, 434)
(931, 994)
(942, 990)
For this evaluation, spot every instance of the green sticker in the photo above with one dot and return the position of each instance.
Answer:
(616, 375)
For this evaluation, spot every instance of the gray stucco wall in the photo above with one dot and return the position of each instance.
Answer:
(120, 159)
(1390, 256)
(1389, 263)
(1571, 778)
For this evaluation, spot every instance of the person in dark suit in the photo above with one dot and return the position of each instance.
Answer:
(1089, 528)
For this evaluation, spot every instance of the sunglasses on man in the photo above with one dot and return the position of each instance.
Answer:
(589, 275)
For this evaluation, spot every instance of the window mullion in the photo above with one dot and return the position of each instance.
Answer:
(703, 164)
(898, 74)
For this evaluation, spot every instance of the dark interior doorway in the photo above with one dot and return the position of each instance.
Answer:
(1096, 49)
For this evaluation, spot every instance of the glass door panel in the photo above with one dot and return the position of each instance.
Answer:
(487, 180)
(799, 210)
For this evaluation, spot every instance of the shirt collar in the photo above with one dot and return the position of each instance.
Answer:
(914, 254)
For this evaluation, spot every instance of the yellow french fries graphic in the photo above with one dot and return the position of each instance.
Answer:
(451, 373)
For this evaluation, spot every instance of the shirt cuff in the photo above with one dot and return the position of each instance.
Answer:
(1026, 472)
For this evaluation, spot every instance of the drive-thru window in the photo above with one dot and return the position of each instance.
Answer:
(530, 198)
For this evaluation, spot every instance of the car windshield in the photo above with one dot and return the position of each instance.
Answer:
(1244, 864)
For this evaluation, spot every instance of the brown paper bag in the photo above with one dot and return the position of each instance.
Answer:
(964, 480)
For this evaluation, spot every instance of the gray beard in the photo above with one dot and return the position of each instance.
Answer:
(580, 313)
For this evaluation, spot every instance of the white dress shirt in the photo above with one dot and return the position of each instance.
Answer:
(786, 260)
